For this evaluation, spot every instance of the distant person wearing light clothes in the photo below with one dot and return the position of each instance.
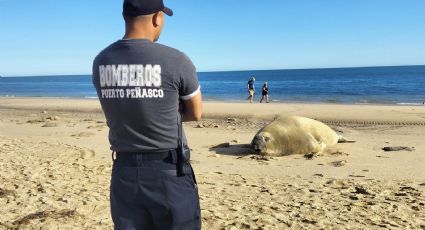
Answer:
(251, 89)
(265, 93)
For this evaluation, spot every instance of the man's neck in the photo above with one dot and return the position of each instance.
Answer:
(139, 35)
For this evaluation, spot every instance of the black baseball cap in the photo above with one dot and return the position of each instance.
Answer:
(134, 8)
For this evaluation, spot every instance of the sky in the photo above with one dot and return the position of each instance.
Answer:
(58, 37)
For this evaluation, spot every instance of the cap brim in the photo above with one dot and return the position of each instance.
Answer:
(167, 11)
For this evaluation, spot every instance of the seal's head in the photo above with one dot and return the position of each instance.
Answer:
(263, 143)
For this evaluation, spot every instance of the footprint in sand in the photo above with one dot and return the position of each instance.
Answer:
(87, 153)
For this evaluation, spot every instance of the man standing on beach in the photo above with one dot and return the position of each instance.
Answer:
(146, 90)
(251, 89)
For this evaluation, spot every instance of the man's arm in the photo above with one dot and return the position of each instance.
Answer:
(192, 107)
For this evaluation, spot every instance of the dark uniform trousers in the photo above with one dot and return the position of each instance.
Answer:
(147, 194)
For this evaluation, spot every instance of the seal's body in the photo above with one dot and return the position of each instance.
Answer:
(293, 135)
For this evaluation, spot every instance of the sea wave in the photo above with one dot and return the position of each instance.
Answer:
(407, 103)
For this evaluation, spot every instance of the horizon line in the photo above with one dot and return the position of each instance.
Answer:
(249, 70)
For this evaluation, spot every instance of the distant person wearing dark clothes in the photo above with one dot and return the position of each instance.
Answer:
(251, 89)
(265, 93)
(146, 90)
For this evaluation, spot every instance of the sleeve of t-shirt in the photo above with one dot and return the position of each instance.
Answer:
(189, 84)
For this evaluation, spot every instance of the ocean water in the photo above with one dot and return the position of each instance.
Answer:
(369, 85)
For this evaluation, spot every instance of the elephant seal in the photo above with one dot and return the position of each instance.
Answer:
(293, 135)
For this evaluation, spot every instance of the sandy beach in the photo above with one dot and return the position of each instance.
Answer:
(55, 167)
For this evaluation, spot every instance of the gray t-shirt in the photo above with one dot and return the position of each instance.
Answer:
(139, 84)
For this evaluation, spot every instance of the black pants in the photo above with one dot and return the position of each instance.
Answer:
(147, 194)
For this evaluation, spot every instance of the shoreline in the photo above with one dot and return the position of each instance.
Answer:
(237, 101)
(325, 112)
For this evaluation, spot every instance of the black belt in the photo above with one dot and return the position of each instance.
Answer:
(148, 156)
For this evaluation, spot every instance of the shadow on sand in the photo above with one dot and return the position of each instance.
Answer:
(233, 150)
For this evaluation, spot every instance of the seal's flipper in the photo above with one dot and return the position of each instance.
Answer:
(342, 139)
(314, 145)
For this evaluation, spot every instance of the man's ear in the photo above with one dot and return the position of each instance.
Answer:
(157, 19)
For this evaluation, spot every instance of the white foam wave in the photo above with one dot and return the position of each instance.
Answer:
(406, 103)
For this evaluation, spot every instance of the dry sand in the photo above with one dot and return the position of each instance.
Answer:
(55, 168)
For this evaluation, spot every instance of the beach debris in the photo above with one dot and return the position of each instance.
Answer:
(353, 197)
(400, 194)
(338, 163)
(41, 120)
(229, 119)
(318, 175)
(83, 134)
(261, 158)
(381, 156)
(236, 141)
(222, 145)
(398, 148)
(49, 125)
(357, 176)
(53, 118)
(44, 111)
(310, 156)
(361, 190)
(207, 124)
